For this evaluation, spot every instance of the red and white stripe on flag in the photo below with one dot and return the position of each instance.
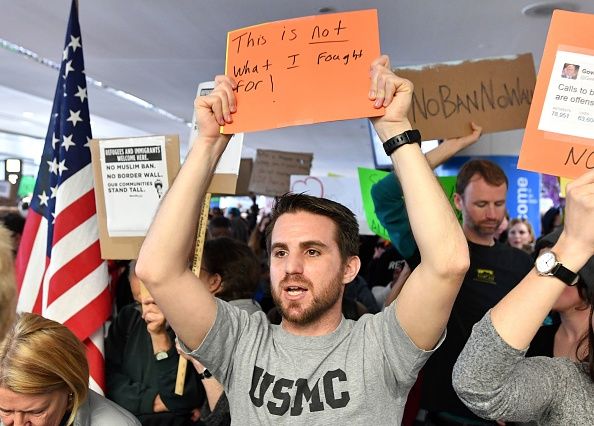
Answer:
(60, 273)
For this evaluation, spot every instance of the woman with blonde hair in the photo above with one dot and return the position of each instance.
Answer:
(520, 234)
(44, 378)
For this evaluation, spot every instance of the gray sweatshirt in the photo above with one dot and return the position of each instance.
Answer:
(496, 382)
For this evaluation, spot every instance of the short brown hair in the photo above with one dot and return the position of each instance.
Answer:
(347, 228)
(489, 171)
(40, 355)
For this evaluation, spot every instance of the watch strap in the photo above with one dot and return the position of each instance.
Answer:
(205, 374)
(568, 277)
(410, 136)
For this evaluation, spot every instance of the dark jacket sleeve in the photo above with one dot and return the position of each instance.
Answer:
(496, 382)
(193, 395)
(132, 395)
(221, 415)
(135, 377)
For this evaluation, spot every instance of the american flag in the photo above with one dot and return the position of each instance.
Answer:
(60, 273)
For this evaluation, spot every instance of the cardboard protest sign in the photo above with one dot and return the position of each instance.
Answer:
(131, 176)
(335, 188)
(495, 93)
(302, 71)
(271, 174)
(224, 180)
(368, 177)
(559, 136)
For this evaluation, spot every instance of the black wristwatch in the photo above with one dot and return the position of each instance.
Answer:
(547, 265)
(410, 136)
(205, 374)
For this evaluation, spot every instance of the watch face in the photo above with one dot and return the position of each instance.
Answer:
(545, 262)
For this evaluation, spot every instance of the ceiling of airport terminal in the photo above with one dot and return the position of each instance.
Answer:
(159, 51)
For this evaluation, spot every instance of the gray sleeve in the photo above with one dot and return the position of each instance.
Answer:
(99, 411)
(218, 348)
(496, 382)
(387, 339)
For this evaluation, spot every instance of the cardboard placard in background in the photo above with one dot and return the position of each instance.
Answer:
(271, 174)
(559, 136)
(335, 188)
(495, 93)
(125, 247)
(302, 71)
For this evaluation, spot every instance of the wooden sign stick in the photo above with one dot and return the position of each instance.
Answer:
(199, 247)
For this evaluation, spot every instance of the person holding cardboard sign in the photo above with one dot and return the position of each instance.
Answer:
(316, 367)
(492, 376)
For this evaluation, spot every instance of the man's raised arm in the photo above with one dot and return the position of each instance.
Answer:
(163, 261)
(425, 302)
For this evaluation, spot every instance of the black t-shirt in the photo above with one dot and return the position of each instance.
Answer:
(380, 271)
(493, 272)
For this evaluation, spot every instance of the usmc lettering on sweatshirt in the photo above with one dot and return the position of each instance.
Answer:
(280, 395)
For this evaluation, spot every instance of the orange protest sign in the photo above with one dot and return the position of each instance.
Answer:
(302, 71)
(559, 136)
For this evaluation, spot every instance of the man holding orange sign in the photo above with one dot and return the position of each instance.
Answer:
(316, 367)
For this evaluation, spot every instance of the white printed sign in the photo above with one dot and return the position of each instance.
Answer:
(135, 178)
(569, 103)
